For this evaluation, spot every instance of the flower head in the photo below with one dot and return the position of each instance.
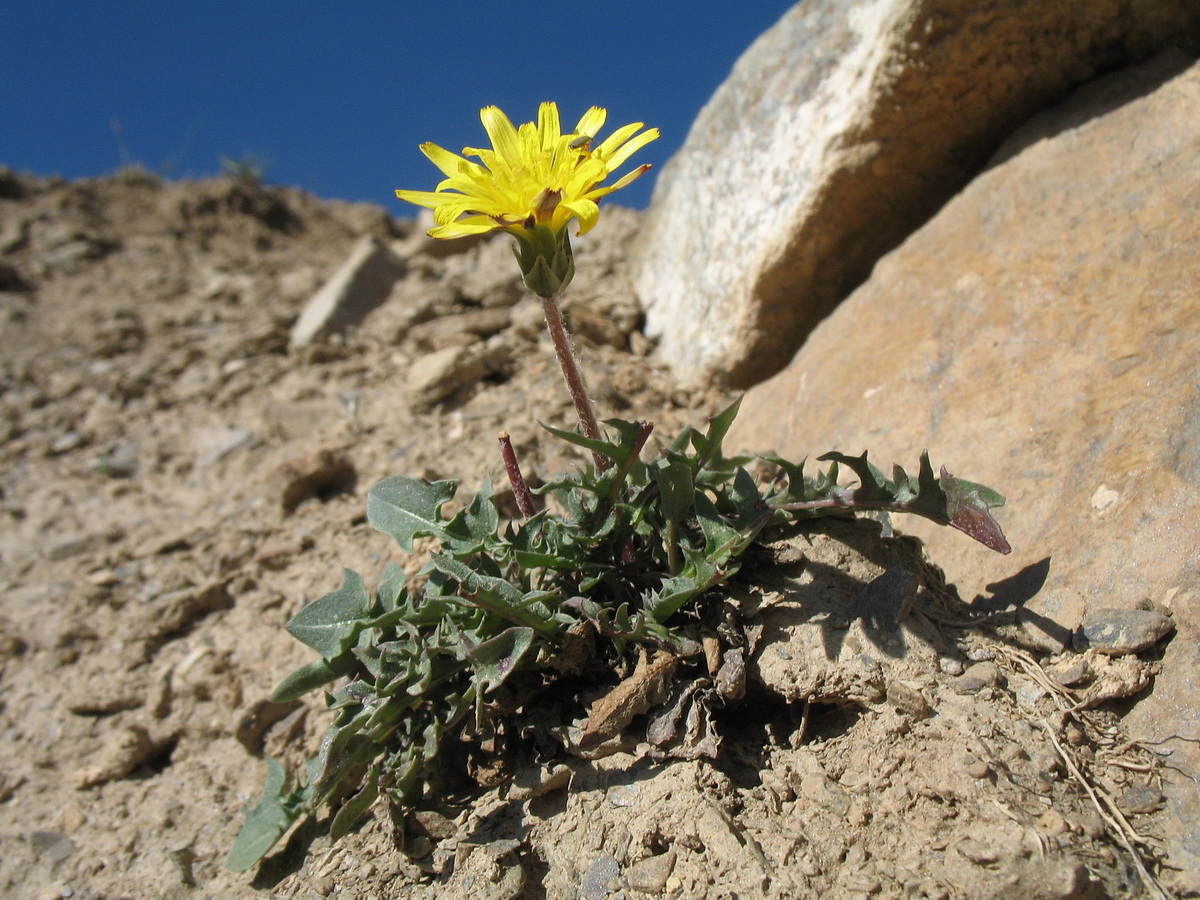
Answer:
(534, 175)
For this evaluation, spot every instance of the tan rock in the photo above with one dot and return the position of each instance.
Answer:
(359, 285)
(839, 131)
(1042, 335)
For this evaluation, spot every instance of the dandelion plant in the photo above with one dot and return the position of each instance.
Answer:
(625, 556)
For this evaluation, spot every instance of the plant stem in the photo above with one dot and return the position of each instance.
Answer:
(515, 478)
(570, 369)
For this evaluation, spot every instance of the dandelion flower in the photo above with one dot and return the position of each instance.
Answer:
(533, 175)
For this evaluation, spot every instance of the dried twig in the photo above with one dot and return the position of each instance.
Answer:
(1112, 816)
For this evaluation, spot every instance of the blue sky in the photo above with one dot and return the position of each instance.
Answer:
(335, 97)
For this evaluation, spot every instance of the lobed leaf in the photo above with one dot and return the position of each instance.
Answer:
(496, 658)
(406, 508)
(472, 528)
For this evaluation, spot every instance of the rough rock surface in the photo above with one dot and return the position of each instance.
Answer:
(1042, 335)
(838, 132)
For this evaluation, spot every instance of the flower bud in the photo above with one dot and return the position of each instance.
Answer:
(546, 259)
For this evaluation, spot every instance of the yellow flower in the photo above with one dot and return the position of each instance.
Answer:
(533, 176)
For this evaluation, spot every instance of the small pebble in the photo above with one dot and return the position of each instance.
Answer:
(1070, 672)
(650, 876)
(976, 678)
(51, 846)
(1118, 632)
(601, 877)
(1029, 693)
(978, 769)
(1140, 798)
(977, 851)
(951, 666)
(1052, 824)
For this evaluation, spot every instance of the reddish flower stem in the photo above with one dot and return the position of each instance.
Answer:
(570, 369)
(515, 478)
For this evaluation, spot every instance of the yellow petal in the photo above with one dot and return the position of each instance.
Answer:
(502, 133)
(592, 121)
(548, 127)
(614, 162)
(449, 163)
(463, 227)
(623, 181)
(586, 211)
(428, 199)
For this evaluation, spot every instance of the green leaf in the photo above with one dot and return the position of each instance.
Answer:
(469, 531)
(391, 591)
(344, 747)
(407, 508)
(310, 677)
(718, 535)
(574, 437)
(496, 658)
(265, 824)
(498, 595)
(873, 486)
(331, 624)
(747, 502)
(797, 490)
(708, 446)
(675, 488)
(356, 807)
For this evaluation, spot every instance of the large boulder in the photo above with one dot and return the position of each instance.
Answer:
(839, 131)
(1042, 335)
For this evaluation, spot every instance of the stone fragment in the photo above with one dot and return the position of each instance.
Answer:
(977, 851)
(122, 461)
(51, 846)
(125, 750)
(601, 878)
(447, 331)
(649, 876)
(324, 474)
(1123, 676)
(1118, 632)
(215, 444)
(976, 678)
(978, 769)
(437, 375)
(839, 131)
(537, 780)
(908, 701)
(1140, 798)
(432, 824)
(1070, 672)
(359, 285)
